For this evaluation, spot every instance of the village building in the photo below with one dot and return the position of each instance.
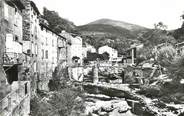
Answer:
(88, 48)
(113, 53)
(17, 102)
(52, 50)
(74, 48)
(131, 54)
(31, 37)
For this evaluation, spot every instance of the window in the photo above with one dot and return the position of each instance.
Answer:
(36, 49)
(46, 42)
(46, 54)
(52, 43)
(16, 38)
(42, 53)
(26, 89)
(46, 69)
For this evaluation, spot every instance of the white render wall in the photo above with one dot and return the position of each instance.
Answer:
(11, 45)
(48, 43)
(76, 48)
(112, 52)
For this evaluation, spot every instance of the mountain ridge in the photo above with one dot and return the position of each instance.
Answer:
(122, 24)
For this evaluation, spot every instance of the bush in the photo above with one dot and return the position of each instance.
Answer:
(42, 108)
(65, 98)
(67, 101)
(166, 56)
(150, 91)
(176, 69)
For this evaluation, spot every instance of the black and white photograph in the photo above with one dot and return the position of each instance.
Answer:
(91, 57)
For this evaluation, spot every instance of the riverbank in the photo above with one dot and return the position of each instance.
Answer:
(151, 107)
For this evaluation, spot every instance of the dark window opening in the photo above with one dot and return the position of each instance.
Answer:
(16, 38)
(46, 54)
(11, 73)
(42, 54)
(26, 91)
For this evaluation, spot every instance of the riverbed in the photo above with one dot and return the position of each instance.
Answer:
(120, 100)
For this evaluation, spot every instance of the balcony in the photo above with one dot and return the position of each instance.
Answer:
(11, 58)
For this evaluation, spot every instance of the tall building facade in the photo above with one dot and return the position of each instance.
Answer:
(31, 37)
(17, 100)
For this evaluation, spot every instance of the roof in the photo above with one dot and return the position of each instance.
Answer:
(45, 26)
(107, 46)
(35, 7)
(17, 3)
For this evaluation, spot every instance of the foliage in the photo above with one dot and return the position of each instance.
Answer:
(176, 69)
(178, 33)
(57, 23)
(150, 91)
(42, 108)
(121, 38)
(105, 56)
(166, 55)
(114, 36)
(65, 99)
(160, 26)
(157, 36)
(95, 56)
(144, 53)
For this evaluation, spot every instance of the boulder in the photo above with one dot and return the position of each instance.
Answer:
(122, 106)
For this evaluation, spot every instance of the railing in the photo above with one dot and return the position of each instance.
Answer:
(14, 98)
(11, 58)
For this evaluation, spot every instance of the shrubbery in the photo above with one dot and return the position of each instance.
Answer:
(64, 99)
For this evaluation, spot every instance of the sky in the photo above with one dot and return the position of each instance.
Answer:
(141, 12)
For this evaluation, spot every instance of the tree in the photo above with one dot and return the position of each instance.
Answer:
(178, 33)
(160, 25)
(57, 23)
(166, 56)
(105, 56)
(176, 69)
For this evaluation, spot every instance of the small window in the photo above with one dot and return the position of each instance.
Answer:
(52, 43)
(16, 38)
(46, 42)
(26, 91)
(46, 54)
(42, 54)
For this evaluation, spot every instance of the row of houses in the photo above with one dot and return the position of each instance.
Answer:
(30, 52)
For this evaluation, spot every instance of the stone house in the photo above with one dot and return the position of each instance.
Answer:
(61, 49)
(17, 102)
(131, 54)
(74, 48)
(88, 48)
(113, 53)
(31, 36)
(13, 55)
(51, 50)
